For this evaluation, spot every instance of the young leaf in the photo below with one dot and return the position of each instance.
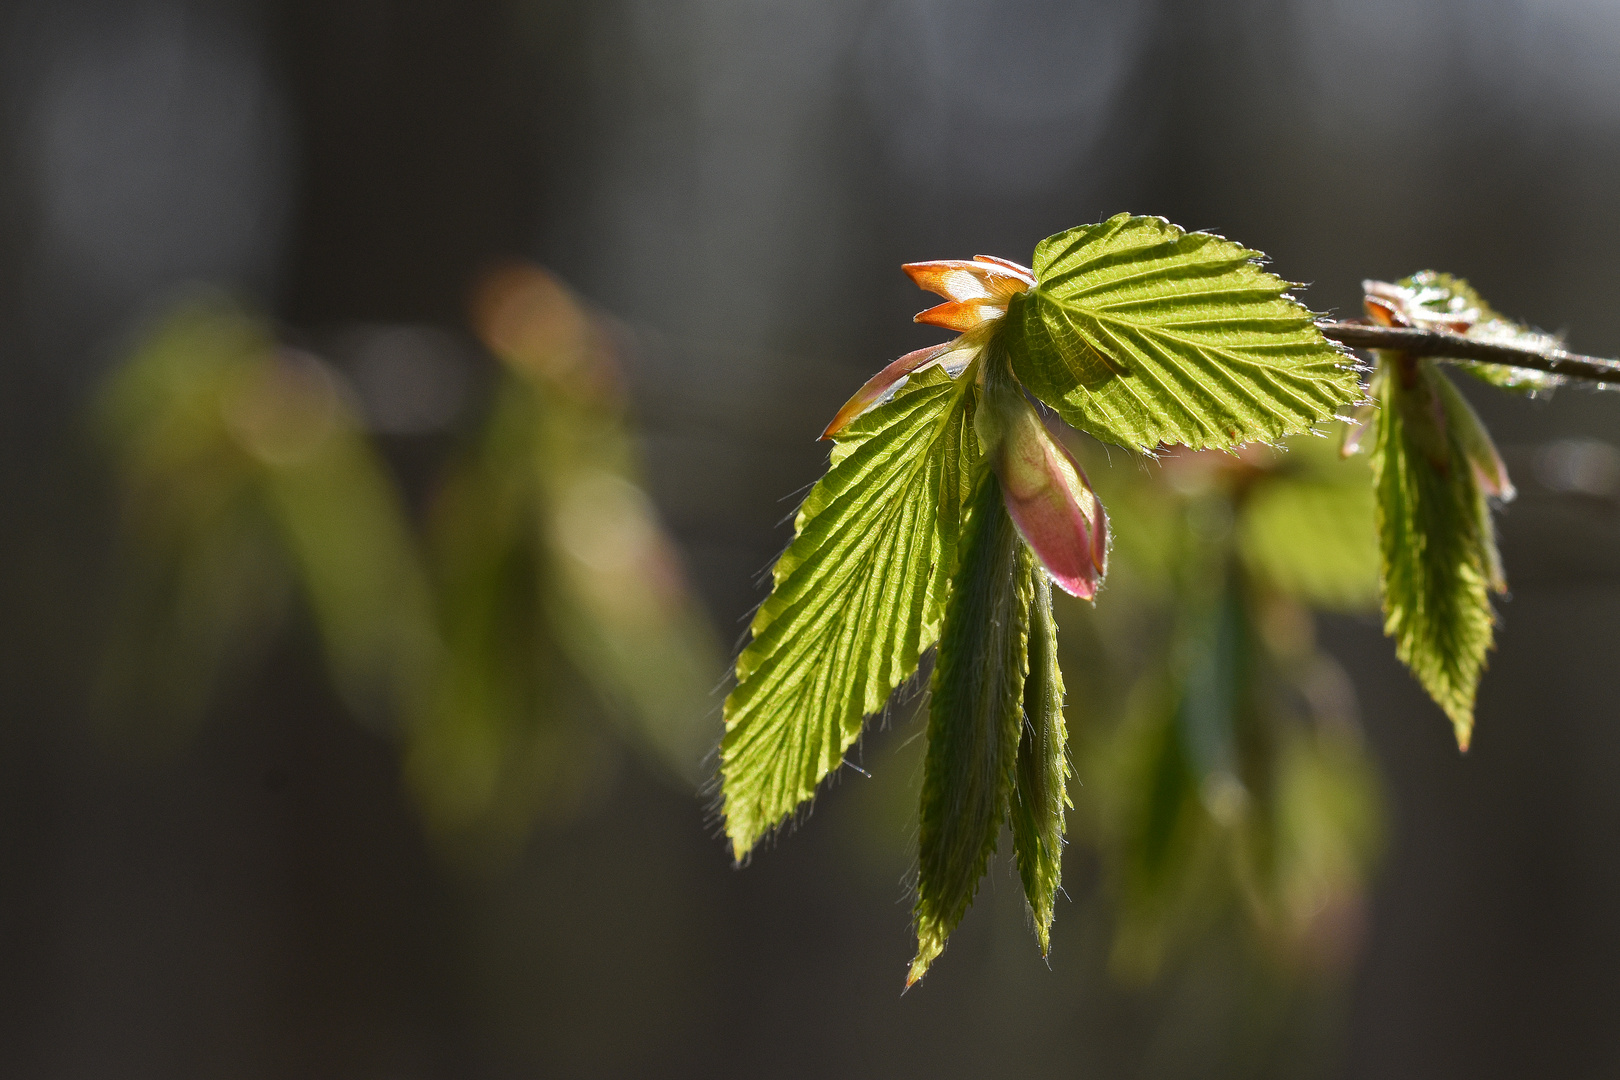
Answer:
(1437, 545)
(974, 718)
(1040, 790)
(1432, 300)
(858, 596)
(1141, 334)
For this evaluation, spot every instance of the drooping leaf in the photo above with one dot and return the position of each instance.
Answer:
(1040, 788)
(858, 596)
(1437, 543)
(346, 532)
(1430, 299)
(1140, 334)
(975, 714)
(500, 742)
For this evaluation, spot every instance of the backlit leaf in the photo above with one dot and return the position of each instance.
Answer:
(975, 714)
(1437, 544)
(1040, 789)
(1430, 299)
(858, 596)
(1140, 334)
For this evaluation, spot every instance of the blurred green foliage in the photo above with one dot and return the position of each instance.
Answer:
(540, 590)
(247, 479)
(1223, 767)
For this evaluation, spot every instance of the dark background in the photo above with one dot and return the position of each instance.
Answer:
(737, 180)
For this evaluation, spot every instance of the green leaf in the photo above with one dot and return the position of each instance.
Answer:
(974, 719)
(1431, 297)
(246, 477)
(1140, 334)
(1308, 532)
(1437, 544)
(1040, 789)
(858, 596)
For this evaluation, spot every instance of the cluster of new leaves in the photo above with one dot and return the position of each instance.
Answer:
(926, 528)
(541, 584)
(949, 510)
(1435, 470)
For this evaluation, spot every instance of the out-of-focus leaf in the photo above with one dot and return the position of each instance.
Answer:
(1040, 788)
(1434, 300)
(857, 598)
(1437, 543)
(501, 739)
(1311, 537)
(1140, 334)
(1328, 829)
(1155, 829)
(553, 566)
(244, 476)
(344, 529)
(975, 716)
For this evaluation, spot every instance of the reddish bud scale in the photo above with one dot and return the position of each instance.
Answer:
(1046, 492)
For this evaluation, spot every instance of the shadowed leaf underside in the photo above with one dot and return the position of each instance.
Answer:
(1040, 788)
(975, 716)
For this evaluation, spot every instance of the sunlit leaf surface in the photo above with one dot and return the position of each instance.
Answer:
(857, 598)
(1140, 334)
(1436, 538)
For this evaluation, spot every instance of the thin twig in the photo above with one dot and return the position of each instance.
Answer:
(1448, 346)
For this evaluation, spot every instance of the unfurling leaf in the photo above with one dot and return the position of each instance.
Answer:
(1139, 334)
(858, 596)
(1437, 542)
(975, 715)
(1040, 780)
(1430, 300)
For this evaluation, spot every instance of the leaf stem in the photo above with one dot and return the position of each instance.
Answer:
(1445, 345)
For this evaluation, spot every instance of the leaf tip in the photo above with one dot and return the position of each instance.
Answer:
(929, 945)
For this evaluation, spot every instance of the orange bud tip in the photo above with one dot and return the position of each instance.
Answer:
(1016, 269)
(1384, 312)
(962, 315)
(976, 279)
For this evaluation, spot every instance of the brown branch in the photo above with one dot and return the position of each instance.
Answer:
(1448, 346)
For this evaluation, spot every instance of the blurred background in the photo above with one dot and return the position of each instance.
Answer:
(285, 857)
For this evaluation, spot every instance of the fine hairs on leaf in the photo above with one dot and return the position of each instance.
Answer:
(1139, 333)
(975, 716)
(858, 597)
(1040, 785)
(1436, 540)
(949, 511)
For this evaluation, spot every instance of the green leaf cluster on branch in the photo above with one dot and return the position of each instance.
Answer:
(949, 509)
